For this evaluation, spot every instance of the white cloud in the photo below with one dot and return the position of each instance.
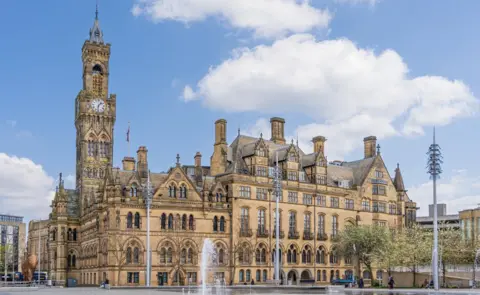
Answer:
(188, 94)
(266, 18)
(461, 191)
(261, 126)
(25, 187)
(347, 92)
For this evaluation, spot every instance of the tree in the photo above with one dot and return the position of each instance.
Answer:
(117, 248)
(411, 247)
(368, 243)
(450, 248)
(468, 253)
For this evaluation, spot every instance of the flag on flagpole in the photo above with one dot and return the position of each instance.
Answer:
(128, 132)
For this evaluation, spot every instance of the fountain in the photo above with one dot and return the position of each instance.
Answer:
(475, 266)
(208, 255)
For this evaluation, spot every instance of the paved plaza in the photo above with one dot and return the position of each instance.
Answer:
(234, 291)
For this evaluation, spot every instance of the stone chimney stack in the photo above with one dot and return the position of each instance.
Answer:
(319, 144)
(218, 161)
(198, 159)
(128, 163)
(142, 161)
(369, 146)
(278, 130)
(221, 131)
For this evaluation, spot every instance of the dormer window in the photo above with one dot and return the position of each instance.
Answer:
(261, 153)
(133, 191)
(292, 157)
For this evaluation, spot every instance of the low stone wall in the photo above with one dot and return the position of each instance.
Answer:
(405, 280)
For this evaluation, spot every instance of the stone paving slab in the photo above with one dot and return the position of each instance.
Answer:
(292, 290)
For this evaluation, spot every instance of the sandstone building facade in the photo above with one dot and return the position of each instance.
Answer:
(98, 230)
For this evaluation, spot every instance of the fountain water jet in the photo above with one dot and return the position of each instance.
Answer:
(208, 255)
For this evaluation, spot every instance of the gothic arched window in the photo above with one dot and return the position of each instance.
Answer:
(172, 191)
(135, 255)
(191, 223)
(222, 224)
(97, 80)
(74, 234)
(133, 191)
(137, 220)
(129, 220)
(129, 255)
(170, 221)
(215, 223)
(184, 222)
(163, 221)
(183, 191)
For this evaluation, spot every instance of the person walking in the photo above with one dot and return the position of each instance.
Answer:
(391, 282)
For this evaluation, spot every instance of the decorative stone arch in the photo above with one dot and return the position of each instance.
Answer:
(132, 241)
(321, 254)
(349, 221)
(261, 207)
(164, 241)
(293, 277)
(306, 275)
(295, 245)
(104, 137)
(93, 63)
(186, 183)
(220, 244)
(73, 258)
(307, 253)
(191, 242)
(292, 252)
(177, 275)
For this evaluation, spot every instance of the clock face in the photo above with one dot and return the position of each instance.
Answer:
(98, 105)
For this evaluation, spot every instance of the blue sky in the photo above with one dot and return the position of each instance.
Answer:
(156, 54)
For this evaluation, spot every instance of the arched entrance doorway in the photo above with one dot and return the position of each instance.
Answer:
(292, 277)
(306, 277)
(178, 278)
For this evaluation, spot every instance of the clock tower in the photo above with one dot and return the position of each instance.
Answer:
(95, 111)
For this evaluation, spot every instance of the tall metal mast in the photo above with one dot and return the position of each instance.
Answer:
(435, 169)
(277, 186)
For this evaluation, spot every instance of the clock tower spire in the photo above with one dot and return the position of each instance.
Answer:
(95, 113)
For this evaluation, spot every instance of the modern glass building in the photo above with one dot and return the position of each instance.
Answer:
(12, 241)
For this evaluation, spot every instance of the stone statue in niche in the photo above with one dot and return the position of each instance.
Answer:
(118, 219)
(107, 220)
(63, 233)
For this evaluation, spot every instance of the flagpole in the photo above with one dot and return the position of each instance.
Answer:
(128, 140)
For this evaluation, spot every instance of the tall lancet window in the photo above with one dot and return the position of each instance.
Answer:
(97, 80)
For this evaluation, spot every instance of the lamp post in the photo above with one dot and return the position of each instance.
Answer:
(148, 191)
(434, 169)
(277, 185)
